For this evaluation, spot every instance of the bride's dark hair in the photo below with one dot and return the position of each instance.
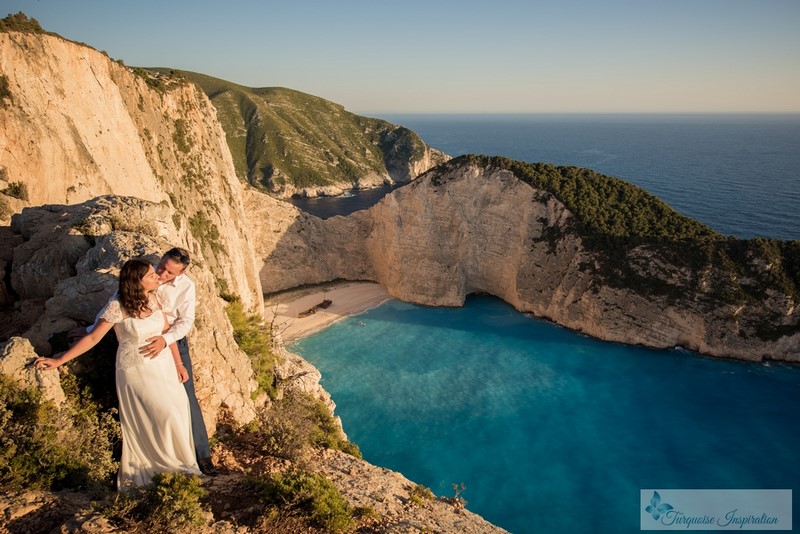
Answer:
(131, 293)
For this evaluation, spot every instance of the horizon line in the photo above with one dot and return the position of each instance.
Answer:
(517, 113)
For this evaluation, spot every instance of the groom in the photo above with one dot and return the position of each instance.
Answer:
(177, 291)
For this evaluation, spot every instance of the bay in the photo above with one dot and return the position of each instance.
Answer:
(548, 430)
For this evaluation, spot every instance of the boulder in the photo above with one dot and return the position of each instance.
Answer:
(16, 359)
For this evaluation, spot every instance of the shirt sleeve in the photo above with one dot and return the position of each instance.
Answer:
(184, 310)
(112, 312)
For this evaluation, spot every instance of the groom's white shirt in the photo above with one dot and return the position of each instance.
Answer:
(178, 297)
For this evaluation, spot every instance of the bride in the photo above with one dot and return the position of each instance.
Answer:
(153, 406)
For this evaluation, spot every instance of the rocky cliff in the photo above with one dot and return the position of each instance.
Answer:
(480, 225)
(76, 125)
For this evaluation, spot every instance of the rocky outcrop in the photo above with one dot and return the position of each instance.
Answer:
(78, 125)
(66, 268)
(468, 228)
(16, 357)
(389, 494)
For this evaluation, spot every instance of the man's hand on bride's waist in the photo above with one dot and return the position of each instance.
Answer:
(154, 347)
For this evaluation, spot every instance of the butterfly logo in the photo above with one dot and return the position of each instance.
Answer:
(656, 507)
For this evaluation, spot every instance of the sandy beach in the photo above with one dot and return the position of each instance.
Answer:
(347, 298)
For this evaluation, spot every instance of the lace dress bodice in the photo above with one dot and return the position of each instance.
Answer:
(132, 332)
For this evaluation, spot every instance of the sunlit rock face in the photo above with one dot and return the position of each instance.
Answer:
(78, 125)
(464, 229)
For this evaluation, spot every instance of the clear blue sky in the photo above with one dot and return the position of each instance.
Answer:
(487, 56)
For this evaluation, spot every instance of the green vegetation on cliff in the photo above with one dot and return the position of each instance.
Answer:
(603, 205)
(20, 22)
(44, 447)
(281, 137)
(307, 495)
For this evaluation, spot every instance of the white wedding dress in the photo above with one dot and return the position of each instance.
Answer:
(153, 406)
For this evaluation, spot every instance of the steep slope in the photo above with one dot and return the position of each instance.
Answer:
(75, 125)
(294, 143)
(587, 251)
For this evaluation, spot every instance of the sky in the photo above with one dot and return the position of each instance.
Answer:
(464, 56)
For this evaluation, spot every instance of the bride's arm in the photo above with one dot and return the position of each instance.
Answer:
(87, 342)
(183, 374)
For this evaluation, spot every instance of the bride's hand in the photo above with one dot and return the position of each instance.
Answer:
(46, 363)
(183, 374)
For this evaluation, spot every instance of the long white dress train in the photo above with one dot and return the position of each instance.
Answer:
(153, 406)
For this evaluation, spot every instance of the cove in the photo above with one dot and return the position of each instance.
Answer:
(551, 431)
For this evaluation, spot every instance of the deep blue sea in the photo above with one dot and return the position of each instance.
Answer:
(739, 174)
(551, 431)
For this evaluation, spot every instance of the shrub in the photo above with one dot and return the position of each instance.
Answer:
(224, 291)
(256, 342)
(298, 422)
(42, 447)
(17, 190)
(5, 91)
(170, 503)
(205, 231)
(327, 433)
(307, 495)
(457, 500)
(364, 512)
(20, 23)
(182, 137)
(419, 494)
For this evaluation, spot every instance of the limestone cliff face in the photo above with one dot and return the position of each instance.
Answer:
(297, 248)
(58, 88)
(78, 125)
(468, 229)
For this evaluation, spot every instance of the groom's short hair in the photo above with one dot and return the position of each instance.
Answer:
(178, 255)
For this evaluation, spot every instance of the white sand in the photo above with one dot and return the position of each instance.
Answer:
(348, 298)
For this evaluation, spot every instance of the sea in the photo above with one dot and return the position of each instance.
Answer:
(738, 174)
(541, 429)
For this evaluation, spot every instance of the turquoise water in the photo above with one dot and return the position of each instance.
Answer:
(551, 431)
